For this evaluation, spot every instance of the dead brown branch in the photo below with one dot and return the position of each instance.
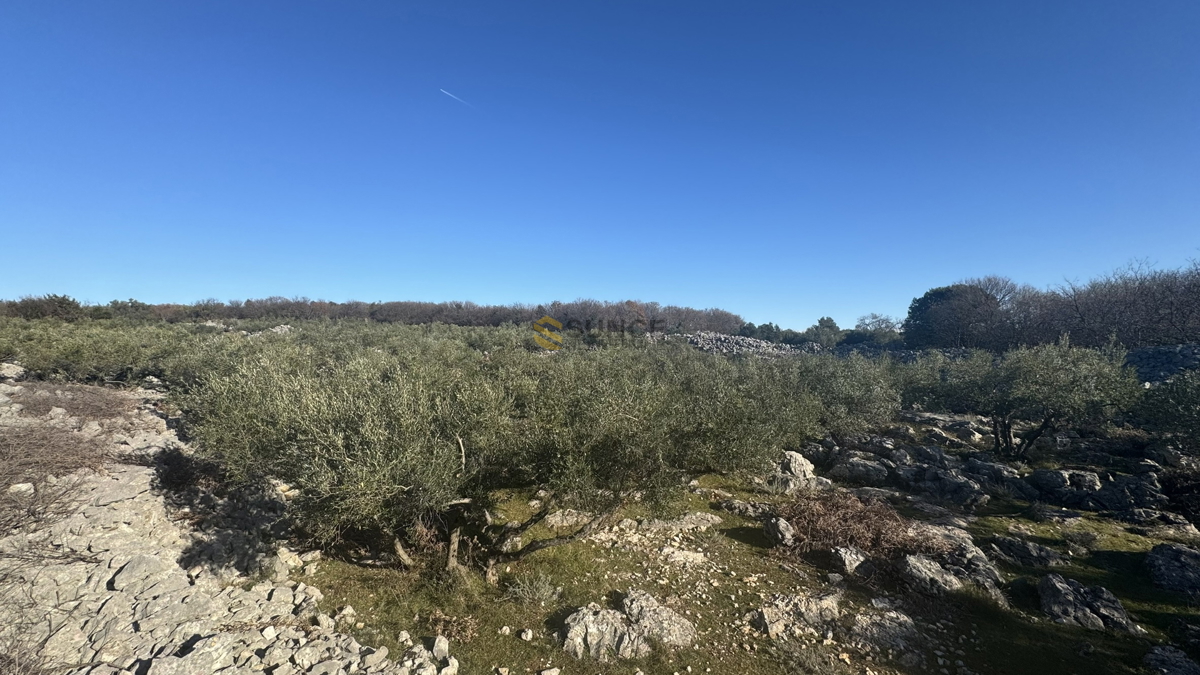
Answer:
(79, 400)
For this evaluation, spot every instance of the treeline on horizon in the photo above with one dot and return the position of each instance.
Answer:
(1135, 307)
(629, 314)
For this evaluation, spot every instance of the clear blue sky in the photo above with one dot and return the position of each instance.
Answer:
(781, 160)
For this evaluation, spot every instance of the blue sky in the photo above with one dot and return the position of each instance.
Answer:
(781, 160)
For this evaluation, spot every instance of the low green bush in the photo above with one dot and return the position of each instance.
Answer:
(393, 429)
(1173, 408)
(370, 441)
(94, 351)
(384, 441)
(854, 394)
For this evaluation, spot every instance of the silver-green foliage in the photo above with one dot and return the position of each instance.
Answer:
(532, 588)
(371, 440)
(853, 394)
(90, 351)
(380, 427)
(381, 437)
(1045, 386)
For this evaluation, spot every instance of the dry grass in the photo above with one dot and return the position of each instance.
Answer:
(37, 455)
(825, 520)
(17, 661)
(797, 658)
(1084, 538)
(454, 628)
(533, 588)
(83, 401)
(34, 454)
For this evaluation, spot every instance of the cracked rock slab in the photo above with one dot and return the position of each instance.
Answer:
(110, 589)
(1069, 602)
(605, 634)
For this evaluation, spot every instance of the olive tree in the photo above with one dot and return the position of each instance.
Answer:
(396, 442)
(597, 429)
(1039, 388)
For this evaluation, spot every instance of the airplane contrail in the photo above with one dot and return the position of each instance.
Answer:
(456, 98)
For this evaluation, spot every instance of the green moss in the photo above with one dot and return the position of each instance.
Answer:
(1116, 561)
(388, 601)
(1019, 641)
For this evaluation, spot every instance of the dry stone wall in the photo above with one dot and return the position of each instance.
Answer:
(1153, 364)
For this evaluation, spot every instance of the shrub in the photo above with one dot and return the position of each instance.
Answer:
(384, 438)
(369, 441)
(532, 589)
(1044, 386)
(94, 351)
(403, 430)
(848, 395)
(826, 520)
(1173, 408)
(60, 307)
(597, 426)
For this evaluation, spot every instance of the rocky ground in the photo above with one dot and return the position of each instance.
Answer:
(143, 567)
(130, 578)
